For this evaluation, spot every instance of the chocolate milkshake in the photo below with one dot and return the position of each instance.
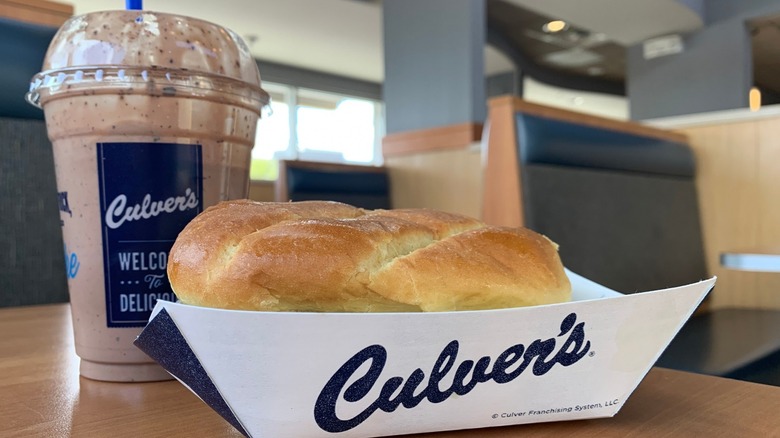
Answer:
(152, 118)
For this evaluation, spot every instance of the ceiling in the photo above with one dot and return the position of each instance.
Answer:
(344, 37)
(613, 17)
(590, 54)
(572, 56)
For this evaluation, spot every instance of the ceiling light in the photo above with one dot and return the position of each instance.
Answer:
(555, 26)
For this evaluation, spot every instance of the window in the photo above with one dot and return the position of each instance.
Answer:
(273, 134)
(322, 127)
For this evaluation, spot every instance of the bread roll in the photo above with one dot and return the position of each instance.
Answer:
(331, 257)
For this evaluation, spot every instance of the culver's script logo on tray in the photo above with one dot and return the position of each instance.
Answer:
(540, 356)
(148, 193)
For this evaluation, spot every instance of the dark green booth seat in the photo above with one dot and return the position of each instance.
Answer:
(621, 206)
(362, 186)
(31, 248)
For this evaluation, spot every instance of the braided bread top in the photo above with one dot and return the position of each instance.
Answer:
(331, 257)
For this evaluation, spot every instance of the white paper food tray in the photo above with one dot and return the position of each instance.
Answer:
(286, 374)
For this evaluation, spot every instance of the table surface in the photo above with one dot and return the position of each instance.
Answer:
(41, 394)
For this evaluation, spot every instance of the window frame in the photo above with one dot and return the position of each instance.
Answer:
(293, 151)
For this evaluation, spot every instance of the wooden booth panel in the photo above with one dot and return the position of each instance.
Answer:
(738, 181)
(502, 195)
(437, 168)
(41, 12)
(448, 180)
(263, 191)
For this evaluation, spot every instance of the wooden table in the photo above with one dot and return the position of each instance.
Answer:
(42, 395)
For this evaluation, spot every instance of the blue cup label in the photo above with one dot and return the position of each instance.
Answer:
(148, 193)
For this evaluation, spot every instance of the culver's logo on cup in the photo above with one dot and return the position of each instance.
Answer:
(353, 381)
(148, 193)
(119, 211)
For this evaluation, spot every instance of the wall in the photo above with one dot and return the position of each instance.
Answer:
(434, 63)
(713, 73)
(315, 80)
(720, 10)
(599, 104)
(502, 83)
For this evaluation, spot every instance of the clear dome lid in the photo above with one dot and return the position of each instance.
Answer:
(110, 51)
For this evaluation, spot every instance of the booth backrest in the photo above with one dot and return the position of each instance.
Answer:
(621, 202)
(362, 186)
(22, 47)
(31, 248)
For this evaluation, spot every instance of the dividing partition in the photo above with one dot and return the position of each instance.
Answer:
(737, 184)
(436, 168)
(738, 160)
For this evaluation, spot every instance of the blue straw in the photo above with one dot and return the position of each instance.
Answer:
(134, 5)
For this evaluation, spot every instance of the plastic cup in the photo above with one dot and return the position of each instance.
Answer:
(152, 118)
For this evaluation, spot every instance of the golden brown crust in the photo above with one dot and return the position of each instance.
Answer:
(331, 257)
